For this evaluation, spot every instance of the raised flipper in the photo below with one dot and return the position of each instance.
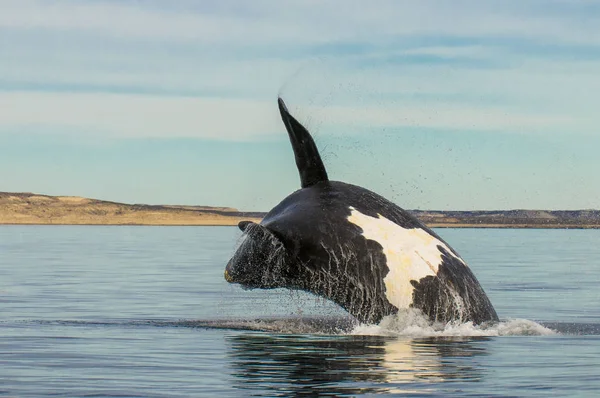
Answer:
(309, 163)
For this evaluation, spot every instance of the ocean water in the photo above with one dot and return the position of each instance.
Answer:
(145, 312)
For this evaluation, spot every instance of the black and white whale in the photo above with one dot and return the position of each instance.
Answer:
(354, 247)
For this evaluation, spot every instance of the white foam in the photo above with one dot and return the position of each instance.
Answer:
(413, 323)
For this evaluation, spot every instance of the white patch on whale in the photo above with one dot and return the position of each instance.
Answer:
(411, 254)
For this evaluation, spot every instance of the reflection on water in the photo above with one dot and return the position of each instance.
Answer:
(346, 365)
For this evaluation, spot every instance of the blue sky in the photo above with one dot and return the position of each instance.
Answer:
(434, 104)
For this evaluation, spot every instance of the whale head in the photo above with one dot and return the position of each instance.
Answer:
(260, 261)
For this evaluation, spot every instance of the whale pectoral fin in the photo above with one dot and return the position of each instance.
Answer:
(309, 163)
(255, 230)
(242, 225)
(258, 232)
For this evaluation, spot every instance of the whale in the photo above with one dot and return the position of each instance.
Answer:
(352, 246)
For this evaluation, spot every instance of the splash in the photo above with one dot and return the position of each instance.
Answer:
(413, 323)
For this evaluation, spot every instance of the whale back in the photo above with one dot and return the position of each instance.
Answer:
(373, 258)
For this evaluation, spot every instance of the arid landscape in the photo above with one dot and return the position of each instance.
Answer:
(511, 218)
(30, 208)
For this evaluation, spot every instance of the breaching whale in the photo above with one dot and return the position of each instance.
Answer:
(355, 248)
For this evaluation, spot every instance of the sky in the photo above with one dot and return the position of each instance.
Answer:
(434, 104)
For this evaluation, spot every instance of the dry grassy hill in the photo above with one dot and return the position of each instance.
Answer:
(512, 218)
(29, 208)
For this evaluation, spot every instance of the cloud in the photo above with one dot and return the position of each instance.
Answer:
(119, 116)
(134, 21)
(299, 21)
(442, 116)
(111, 69)
(183, 68)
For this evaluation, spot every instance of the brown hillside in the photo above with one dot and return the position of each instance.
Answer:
(29, 208)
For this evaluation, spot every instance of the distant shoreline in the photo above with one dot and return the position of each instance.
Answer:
(37, 209)
(234, 224)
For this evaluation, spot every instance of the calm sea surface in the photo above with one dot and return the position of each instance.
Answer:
(144, 311)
